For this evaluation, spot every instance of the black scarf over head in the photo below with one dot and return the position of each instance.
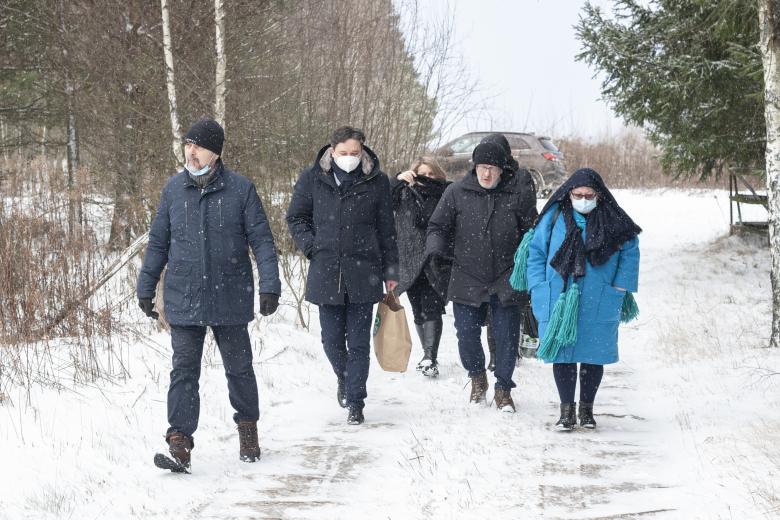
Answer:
(608, 226)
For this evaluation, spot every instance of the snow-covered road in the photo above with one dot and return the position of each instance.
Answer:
(688, 420)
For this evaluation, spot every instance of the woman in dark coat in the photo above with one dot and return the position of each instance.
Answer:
(415, 195)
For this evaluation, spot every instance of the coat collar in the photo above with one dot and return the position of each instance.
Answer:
(323, 165)
(216, 184)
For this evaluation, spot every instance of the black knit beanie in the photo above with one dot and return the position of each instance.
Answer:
(489, 153)
(207, 134)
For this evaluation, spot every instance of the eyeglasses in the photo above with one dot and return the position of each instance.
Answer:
(484, 168)
(586, 196)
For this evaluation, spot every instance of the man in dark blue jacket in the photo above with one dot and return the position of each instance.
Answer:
(208, 219)
(341, 218)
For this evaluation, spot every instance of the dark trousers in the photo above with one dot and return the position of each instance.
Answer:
(506, 331)
(427, 304)
(566, 380)
(346, 338)
(236, 352)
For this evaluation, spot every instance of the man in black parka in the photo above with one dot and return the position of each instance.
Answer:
(483, 217)
(207, 220)
(341, 218)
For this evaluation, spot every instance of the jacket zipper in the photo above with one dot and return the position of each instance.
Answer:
(220, 212)
(186, 217)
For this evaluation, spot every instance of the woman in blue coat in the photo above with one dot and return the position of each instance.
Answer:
(583, 265)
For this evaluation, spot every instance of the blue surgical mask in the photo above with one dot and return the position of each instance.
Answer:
(197, 173)
(584, 206)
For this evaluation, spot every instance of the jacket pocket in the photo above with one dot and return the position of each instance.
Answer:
(178, 287)
(609, 304)
(540, 301)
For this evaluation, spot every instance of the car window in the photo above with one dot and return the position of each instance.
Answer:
(548, 144)
(465, 144)
(517, 142)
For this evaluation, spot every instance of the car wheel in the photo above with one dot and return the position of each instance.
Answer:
(542, 191)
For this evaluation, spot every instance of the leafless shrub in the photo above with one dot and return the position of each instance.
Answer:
(624, 161)
(49, 266)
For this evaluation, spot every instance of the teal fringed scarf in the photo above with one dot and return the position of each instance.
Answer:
(519, 278)
(562, 327)
(629, 310)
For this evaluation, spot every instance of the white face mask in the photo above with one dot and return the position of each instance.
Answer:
(347, 162)
(197, 173)
(584, 206)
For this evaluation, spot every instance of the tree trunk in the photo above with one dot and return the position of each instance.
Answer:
(171, 84)
(72, 150)
(3, 133)
(219, 103)
(769, 16)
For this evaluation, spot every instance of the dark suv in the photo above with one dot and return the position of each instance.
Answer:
(536, 153)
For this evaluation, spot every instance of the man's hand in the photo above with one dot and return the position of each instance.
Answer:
(147, 306)
(269, 302)
(390, 285)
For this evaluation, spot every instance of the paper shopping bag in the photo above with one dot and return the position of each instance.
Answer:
(392, 342)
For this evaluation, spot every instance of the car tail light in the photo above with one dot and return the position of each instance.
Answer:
(550, 156)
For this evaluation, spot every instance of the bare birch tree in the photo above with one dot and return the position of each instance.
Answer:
(171, 84)
(219, 45)
(769, 20)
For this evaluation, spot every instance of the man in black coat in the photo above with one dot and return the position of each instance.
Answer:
(207, 220)
(482, 219)
(341, 218)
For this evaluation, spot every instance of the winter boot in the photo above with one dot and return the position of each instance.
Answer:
(426, 360)
(355, 415)
(247, 439)
(431, 337)
(491, 341)
(179, 446)
(341, 392)
(479, 386)
(568, 419)
(503, 400)
(586, 416)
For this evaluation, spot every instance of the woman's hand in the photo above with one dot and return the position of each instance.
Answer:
(407, 176)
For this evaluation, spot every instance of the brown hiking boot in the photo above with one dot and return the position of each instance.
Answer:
(180, 445)
(247, 438)
(479, 386)
(503, 400)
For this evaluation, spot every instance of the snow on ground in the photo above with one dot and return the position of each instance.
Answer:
(688, 420)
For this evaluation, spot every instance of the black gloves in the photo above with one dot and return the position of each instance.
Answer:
(148, 307)
(268, 303)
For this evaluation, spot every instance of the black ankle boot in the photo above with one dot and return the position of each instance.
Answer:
(341, 392)
(586, 416)
(568, 419)
(355, 415)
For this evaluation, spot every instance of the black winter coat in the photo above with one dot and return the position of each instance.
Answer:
(204, 237)
(347, 234)
(484, 228)
(413, 207)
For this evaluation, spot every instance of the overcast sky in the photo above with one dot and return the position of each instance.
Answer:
(522, 54)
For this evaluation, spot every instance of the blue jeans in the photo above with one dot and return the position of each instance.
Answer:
(236, 351)
(346, 338)
(506, 331)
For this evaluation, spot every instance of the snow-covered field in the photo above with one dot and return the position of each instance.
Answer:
(689, 420)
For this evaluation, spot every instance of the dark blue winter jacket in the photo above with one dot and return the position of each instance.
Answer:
(348, 234)
(204, 236)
